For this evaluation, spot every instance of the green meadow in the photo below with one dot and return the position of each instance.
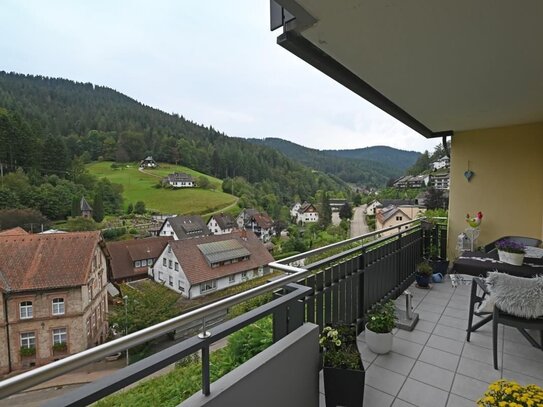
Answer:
(139, 186)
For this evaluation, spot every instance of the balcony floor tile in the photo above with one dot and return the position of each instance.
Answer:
(434, 365)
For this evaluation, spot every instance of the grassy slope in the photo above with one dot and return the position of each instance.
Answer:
(141, 187)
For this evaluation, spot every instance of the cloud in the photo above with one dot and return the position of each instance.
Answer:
(213, 62)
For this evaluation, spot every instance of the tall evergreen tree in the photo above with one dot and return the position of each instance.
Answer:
(76, 206)
(325, 216)
(98, 206)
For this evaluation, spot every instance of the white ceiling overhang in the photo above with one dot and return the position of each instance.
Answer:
(456, 66)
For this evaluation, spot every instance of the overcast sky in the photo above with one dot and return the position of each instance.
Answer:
(214, 62)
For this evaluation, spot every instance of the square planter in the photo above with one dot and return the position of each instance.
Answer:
(344, 387)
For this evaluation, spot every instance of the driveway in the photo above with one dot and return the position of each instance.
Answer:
(358, 223)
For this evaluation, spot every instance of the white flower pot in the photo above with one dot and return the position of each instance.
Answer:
(515, 259)
(378, 343)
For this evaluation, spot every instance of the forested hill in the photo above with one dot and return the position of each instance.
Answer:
(372, 166)
(389, 156)
(96, 122)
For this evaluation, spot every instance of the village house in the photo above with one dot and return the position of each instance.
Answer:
(441, 181)
(394, 215)
(337, 203)
(412, 181)
(53, 298)
(370, 209)
(184, 227)
(307, 213)
(259, 223)
(179, 180)
(131, 259)
(294, 211)
(221, 224)
(148, 163)
(443, 162)
(199, 266)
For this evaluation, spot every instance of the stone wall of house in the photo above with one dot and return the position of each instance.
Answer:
(4, 359)
(42, 324)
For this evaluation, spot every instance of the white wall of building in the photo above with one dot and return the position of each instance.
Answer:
(167, 230)
(214, 228)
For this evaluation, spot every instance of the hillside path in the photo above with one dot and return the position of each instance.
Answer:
(358, 223)
(148, 173)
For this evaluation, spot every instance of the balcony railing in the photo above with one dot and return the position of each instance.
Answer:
(340, 288)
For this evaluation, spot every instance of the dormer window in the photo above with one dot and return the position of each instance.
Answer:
(25, 310)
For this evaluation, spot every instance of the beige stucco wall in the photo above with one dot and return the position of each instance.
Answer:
(507, 186)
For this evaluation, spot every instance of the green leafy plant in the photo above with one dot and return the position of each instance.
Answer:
(424, 268)
(382, 318)
(338, 344)
(60, 347)
(30, 351)
(510, 393)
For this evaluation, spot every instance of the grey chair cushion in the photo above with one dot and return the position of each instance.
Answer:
(518, 296)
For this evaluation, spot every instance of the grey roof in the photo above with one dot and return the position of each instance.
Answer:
(225, 221)
(179, 177)
(84, 205)
(216, 252)
(149, 158)
(397, 202)
(390, 211)
(188, 226)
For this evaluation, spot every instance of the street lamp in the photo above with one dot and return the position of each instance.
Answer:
(125, 299)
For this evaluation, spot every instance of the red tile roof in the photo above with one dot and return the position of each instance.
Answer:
(126, 252)
(18, 231)
(197, 269)
(39, 262)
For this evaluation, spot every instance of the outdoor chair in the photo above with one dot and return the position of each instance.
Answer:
(522, 324)
(479, 293)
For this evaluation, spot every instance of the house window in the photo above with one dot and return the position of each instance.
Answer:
(169, 247)
(164, 262)
(170, 264)
(244, 274)
(176, 266)
(399, 218)
(138, 263)
(88, 327)
(59, 336)
(144, 263)
(149, 262)
(208, 286)
(58, 306)
(25, 310)
(232, 279)
(161, 276)
(28, 340)
(180, 286)
(171, 281)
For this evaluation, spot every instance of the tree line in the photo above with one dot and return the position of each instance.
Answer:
(58, 120)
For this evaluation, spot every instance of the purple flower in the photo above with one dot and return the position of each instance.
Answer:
(508, 245)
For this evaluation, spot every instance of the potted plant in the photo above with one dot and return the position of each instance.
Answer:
(510, 252)
(424, 274)
(344, 374)
(438, 264)
(510, 393)
(60, 347)
(381, 321)
(27, 351)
